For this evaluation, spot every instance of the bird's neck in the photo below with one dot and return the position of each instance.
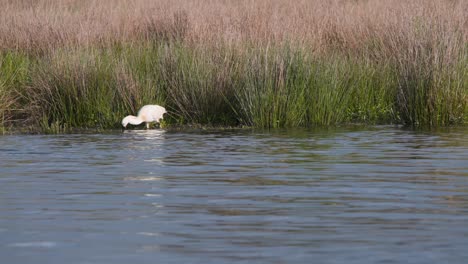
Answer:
(135, 120)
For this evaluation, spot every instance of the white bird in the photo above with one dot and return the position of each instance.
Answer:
(147, 114)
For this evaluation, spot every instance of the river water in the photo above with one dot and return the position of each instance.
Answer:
(343, 195)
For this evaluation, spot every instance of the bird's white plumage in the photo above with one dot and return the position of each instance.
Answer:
(147, 114)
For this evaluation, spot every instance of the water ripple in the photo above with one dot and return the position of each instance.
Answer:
(374, 195)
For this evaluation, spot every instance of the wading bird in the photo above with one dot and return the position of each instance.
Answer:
(147, 114)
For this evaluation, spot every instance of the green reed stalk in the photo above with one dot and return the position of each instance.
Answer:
(259, 86)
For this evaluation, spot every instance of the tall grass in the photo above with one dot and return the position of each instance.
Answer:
(89, 88)
(69, 63)
(288, 87)
(14, 75)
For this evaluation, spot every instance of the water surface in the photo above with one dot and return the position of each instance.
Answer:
(368, 195)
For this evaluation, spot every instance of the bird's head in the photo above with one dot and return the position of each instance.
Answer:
(125, 121)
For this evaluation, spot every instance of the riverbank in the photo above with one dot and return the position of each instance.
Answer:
(373, 72)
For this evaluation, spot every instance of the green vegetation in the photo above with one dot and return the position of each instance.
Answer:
(279, 87)
(407, 66)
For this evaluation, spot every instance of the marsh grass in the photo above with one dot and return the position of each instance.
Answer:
(89, 88)
(275, 87)
(14, 75)
(197, 84)
(290, 88)
(432, 92)
(68, 64)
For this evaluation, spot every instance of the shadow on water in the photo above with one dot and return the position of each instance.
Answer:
(354, 195)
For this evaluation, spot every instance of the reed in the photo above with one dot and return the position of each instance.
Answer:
(287, 87)
(68, 63)
(14, 76)
(89, 88)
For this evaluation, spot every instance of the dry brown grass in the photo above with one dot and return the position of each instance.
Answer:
(421, 45)
(338, 24)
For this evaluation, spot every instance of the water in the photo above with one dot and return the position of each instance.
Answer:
(373, 195)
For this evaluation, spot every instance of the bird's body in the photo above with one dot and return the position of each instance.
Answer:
(147, 114)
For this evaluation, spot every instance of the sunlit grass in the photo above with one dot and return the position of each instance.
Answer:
(279, 87)
(308, 63)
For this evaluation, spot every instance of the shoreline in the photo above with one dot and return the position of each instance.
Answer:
(220, 129)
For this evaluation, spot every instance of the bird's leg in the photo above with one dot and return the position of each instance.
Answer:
(147, 125)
